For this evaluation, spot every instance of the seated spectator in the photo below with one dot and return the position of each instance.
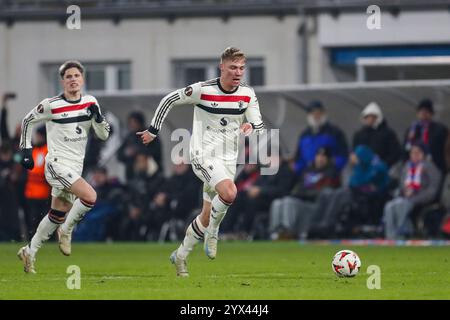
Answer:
(244, 181)
(147, 181)
(447, 153)
(175, 199)
(9, 219)
(377, 135)
(320, 133)
(289, 216)
(368, 181)
(252, 204)
(131, 145)
(428, 132)
(102, 221)
(419, 186)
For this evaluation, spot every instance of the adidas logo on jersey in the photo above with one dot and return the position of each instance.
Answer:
(214, 105)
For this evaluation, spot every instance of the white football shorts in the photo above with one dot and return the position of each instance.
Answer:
(61, 178)
(211, 172)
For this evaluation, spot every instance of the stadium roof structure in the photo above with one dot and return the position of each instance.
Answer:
(17, 10)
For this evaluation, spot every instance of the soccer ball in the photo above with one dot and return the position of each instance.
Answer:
(346, 263)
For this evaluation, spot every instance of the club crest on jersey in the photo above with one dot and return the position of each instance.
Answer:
(40, 108)
(188, 91)
(224, 121)
(241, 104)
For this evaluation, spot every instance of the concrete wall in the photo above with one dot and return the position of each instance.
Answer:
(150, 46)
(409, 27)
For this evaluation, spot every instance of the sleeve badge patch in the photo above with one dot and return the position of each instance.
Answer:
(40, 108)
(188, 91)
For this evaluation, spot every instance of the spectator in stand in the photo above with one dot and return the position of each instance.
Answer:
(419, 185)
(4, 131)
(102, 221)
(131, 145)
(290, 215)
(377, 135)
(174, 200)
(368, 184)
(37, 190)
(9, 176)
(146, 182)
(244, 181)
(432, 134)
(320, 133)
(447, 152)
(253, 201)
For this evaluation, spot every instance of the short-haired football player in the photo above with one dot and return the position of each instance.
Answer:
(68, 119)
(220, 107)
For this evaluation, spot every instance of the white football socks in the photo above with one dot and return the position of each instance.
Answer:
(43, 233)
(218, 210)
(75, 215)
(194, 234)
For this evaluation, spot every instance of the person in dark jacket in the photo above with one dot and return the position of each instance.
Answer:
(320, 133)
(376, 134)
(369, 181)
(147, 181)
(103, 221)
(9, 219)
(131, 145)
(289, 215)
(253, 201)
(431, 133)
(175, 200)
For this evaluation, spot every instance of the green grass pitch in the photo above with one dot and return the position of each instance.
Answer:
(242, 270)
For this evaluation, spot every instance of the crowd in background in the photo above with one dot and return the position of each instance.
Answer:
(379, 186)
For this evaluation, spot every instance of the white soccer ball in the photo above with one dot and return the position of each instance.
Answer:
(346, 263)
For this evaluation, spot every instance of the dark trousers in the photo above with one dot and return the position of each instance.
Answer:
(35, 210)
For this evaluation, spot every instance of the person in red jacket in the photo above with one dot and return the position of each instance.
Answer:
(37, 190)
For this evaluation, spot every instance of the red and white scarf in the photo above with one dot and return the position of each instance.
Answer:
(413, 178)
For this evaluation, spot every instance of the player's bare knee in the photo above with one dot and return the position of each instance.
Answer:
(89, 199)
(229, 194)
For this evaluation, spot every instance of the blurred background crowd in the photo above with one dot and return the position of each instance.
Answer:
(358, 92)
(372, 184)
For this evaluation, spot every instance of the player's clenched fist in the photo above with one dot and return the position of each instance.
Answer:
(27, 158)
(145, 136)
(246, 129)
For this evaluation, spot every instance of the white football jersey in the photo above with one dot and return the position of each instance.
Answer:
(68, 124)
(218, 115)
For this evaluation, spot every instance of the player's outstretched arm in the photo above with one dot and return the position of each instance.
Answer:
(40, 113)
(101, 127)
(188, 95)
